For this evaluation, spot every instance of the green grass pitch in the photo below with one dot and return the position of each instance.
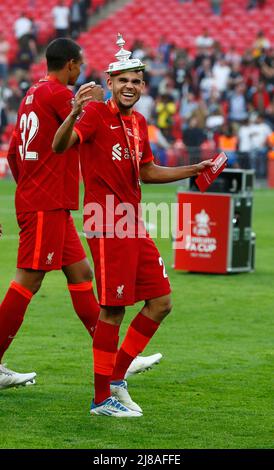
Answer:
(212, 389)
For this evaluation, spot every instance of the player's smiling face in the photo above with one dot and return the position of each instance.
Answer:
(126, 89)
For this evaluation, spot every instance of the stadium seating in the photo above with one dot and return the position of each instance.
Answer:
(40, 11)
(180, 23)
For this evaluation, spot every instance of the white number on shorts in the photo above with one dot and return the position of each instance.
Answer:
(161, 263)
(28, 123)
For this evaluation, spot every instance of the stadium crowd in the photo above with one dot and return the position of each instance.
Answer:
(195, 104)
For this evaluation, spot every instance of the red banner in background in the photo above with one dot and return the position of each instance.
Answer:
(4, 166)
(205, 248)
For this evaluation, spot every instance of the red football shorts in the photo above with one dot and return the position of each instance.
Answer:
(48, 240)
(128, 270)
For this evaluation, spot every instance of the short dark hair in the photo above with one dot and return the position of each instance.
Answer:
(60, 51)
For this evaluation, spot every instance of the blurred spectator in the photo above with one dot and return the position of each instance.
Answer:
(261, 43)
(23, 29)
(207, 85)
(167, 87)
(237, 104)
(24, 83)
(204, 70)
(4, 49)
(14, 99)
(181, 71)
(250, 72)
(85, 5)
(269, 113)
(200, 113)
(255, 3)
(244, 144)
(259, 134)
(270, 144)
(61, 18)
(146, 104)
(221, 72)
(138, 50)
(156, 69)
(216, 6)
(214, 122)
(164, 49)
(187, 107)
(260, 98)
(193, 138)
(26, 54)
(204, 40)
(75, 18)
(4, 93)
(159, 144)
(232, 56)
(165, 110)
(227, 142)
(267, 69)
(251, 4)
(235, 76)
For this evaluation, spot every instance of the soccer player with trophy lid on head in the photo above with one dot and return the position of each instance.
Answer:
(47, 189)
(128, 269)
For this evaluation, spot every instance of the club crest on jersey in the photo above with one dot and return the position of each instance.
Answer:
(120, 291)
(50, 258)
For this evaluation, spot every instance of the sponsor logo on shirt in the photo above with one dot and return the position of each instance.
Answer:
(114, 127)
(117, 152)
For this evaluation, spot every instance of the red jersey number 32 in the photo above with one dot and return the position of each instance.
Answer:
(29, 125)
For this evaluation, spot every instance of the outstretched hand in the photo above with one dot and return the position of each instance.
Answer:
(86, 93)
(203, 165)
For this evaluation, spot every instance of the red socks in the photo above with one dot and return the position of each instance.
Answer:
(138, 335)
(85, 304)
(12, 311)
(105, 344)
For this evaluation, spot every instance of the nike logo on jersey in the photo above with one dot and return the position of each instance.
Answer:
(114, 127)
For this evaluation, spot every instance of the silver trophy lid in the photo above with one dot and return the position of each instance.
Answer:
(124, 64)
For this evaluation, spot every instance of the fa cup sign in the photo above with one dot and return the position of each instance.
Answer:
(205, 247)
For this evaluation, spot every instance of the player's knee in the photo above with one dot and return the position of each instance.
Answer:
(36, 285)
(166, 307)
(158, 309)
(30, 279)
(87, 273)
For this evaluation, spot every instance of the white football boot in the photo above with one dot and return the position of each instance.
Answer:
(143, 363)
(119, 391)
(9, 378)
(112, 407)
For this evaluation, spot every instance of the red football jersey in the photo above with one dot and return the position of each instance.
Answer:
(107, 167)
(46, 180)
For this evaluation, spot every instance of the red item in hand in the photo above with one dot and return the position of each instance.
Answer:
(204, 180)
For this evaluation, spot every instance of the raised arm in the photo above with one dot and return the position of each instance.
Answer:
(65, 136)
(151, 173)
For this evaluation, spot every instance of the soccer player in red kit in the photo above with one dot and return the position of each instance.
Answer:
(127, 269)
(47, 189)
